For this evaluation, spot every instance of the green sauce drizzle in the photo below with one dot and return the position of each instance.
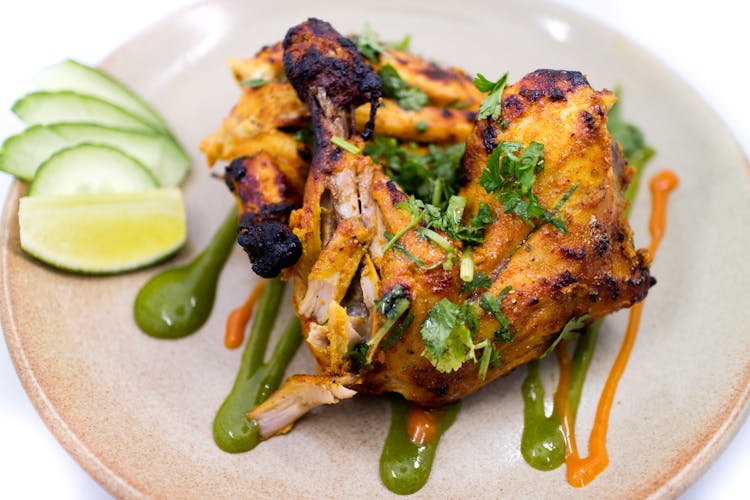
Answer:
(405, 466)
(233, 431)
(177, 302)
(542, 441)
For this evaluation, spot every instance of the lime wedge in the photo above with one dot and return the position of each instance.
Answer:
(103, 233)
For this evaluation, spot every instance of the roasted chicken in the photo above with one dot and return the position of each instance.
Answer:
(380, 286)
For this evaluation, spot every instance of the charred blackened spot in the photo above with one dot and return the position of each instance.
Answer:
(446, 113)
(595, 297)
(599, 111)
(651, 281)
(397, 196)
(563, 280)
(557, 95)
(439, 389)
(471, 116)
(601, 244)
(512, 107)
(573, 253)
(436, 73)
(534, 301)
(304, 154)
(589, 120)
(531, 95)
(609, 284)
(270, 245)
(235, 172)
(489, 138)
(334, 154)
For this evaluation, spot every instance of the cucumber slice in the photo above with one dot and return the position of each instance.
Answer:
(66, 106)
(23, 153)
(91, 168)
(72, 75)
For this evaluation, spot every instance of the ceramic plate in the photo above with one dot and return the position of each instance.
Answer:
(137, 412)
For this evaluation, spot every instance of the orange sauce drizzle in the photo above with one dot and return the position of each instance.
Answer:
(421, 424)
(582, 470)
(238, 319)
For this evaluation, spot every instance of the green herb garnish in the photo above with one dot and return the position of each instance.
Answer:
(568, 332)
(254, 83)
(492, 306)
(448, 333)
(392, 306)
(431, 176)
(634, 146)
(369, 44)
(345, 145)
(394, 87)
(511, 178)
(492, 105)
(480, 280)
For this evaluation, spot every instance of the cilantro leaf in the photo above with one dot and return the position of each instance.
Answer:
(634, 147)
(491, 105)
(369, 44)
(568, 332)
(358, 354)
(492, 306)
(402, 45)
(431, 176)
(480, 280)
(511, 178)
(387, 304)
(394, 87)
(447, 338)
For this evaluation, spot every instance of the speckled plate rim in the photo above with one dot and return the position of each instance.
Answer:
(675, 479)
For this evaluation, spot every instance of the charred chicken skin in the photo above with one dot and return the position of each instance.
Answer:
(374, 279)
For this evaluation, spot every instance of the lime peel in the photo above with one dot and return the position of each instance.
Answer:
(103, 233)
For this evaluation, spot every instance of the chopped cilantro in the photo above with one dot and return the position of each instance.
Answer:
(390, 341)
(388, 303)
(634, 146)
(447, 333)
(568, 332)
(489, 357)
(492, 306)
(480, 280)
(467, 267)
(345, 145)
(402, 45)
(421, 127)
(416, 260)
(254, 83)
(394, 87)
(369, 45)
(511, 178)
(492, 105)
(304, 135)
(358, 354)
(392, 309)
(428, 176)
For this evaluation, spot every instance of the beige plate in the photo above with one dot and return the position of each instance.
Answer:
(137, 412)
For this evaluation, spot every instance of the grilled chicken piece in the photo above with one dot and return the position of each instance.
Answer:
(257, 129)
(592, 269)
(553, 276)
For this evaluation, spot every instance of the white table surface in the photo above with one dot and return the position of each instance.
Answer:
(706, 43)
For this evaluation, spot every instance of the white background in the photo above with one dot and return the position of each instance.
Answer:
(707, 43)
